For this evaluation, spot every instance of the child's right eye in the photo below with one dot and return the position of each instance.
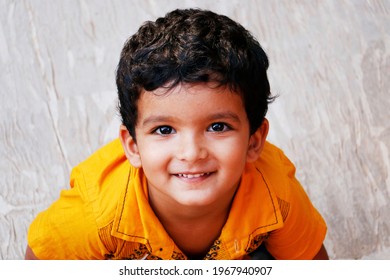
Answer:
(164, 130)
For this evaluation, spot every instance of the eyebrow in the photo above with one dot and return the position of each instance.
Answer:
(225, 115)
(216, 116)
(156, 119)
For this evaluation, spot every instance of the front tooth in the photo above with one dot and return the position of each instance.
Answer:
(191, 176)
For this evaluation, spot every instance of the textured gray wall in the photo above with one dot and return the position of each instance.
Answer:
(330, 64)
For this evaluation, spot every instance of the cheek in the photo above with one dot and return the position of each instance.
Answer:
(232, 153)
(153, 155)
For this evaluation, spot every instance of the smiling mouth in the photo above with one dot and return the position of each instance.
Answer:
(192, 176)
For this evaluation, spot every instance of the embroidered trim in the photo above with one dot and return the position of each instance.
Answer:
(213, 252)
(256, 242)
(178, 256)
(284, 208)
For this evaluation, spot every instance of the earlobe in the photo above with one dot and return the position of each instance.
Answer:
(130, 147)
(257, 141)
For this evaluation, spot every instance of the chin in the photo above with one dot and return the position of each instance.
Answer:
(195, 201)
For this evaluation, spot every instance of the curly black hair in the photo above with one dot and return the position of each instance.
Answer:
(191, 46)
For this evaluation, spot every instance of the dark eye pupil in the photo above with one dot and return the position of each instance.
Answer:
(217, 127)
(165, 130)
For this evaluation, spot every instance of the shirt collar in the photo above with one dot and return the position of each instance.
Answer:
(135, 221)
(254, 212)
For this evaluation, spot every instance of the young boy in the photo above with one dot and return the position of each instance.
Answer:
(191, 175)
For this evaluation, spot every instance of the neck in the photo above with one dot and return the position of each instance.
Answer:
(193, 229)
(196, 235)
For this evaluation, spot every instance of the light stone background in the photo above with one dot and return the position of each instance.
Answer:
(330, 65)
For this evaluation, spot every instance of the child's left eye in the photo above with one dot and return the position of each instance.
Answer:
(218, 127)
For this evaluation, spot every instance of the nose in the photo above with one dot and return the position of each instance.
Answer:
(191, 148)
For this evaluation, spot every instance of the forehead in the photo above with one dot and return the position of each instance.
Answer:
(190, 101)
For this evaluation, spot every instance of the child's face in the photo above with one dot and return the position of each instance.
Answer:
(192, 143)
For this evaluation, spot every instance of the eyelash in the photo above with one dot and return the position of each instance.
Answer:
(225, 126)
(159, 132)
(170, 130)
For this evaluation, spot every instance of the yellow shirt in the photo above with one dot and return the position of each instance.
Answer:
(106, 215)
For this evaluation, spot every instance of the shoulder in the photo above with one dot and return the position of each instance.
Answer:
(103, 161)
(303, 228)
(88, 205)
(276, 169)
(273, 157)
(101, 178)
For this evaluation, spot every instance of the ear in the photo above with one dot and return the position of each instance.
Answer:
(130, 147)
(257, 141)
